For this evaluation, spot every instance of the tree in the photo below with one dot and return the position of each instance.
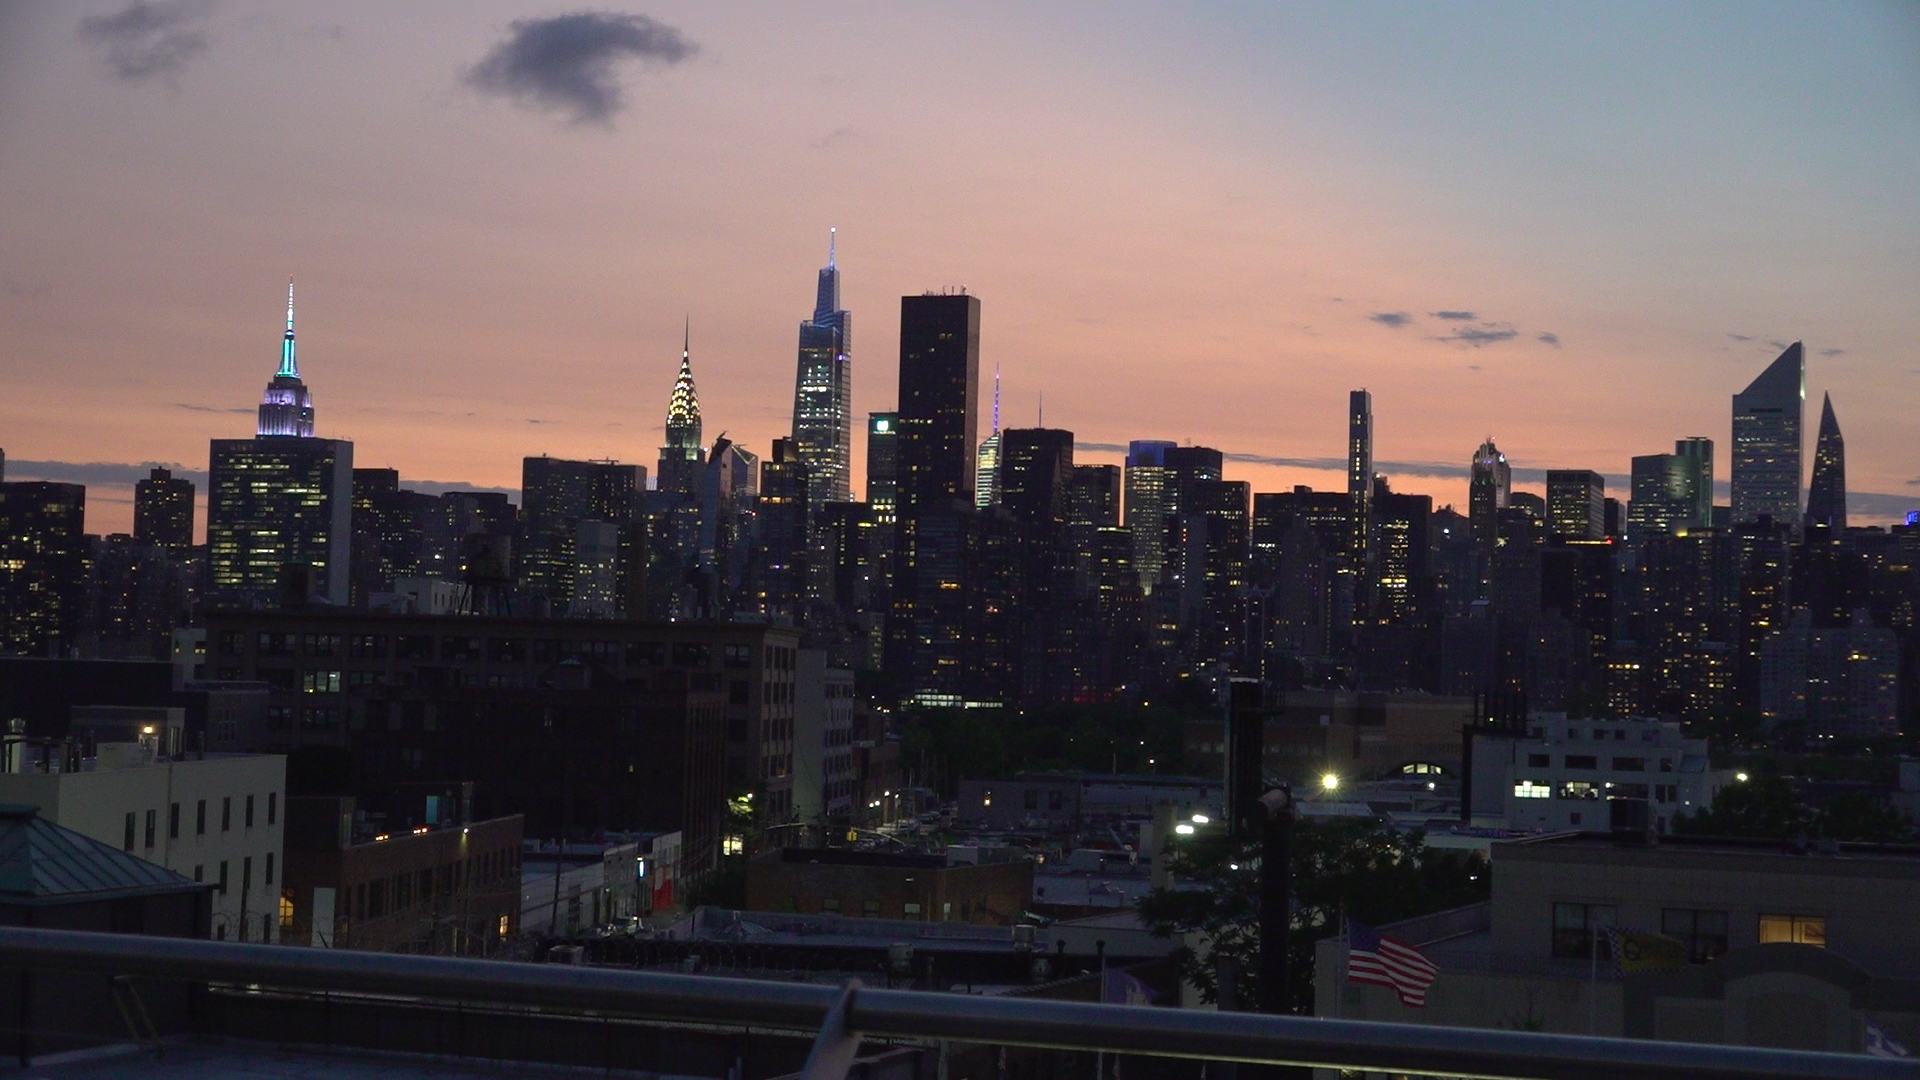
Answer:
(1768, 808)
(1357, 867)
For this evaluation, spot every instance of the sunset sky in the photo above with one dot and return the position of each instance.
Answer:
(1576, 227)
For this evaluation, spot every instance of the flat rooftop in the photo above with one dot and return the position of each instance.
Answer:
(1682, 846)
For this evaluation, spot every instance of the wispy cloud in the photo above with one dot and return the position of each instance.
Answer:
(1395, 319)
(1548, 338)
(833, 138)
(1454, 316)
(145, 40)
(207, 408)
(567, 63)
(1477, 337)
(104, 473)
(1741, 337)
(1833, 352)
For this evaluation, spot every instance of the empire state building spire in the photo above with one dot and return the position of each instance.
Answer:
(287, 407)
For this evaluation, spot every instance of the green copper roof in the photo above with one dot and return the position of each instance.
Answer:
(41, 863)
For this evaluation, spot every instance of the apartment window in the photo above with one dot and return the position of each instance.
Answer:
(273, 807)
(200, 819)
(286, 908)
(269, 878)
(249, 812)
(870, 908)
(1532, 789)
(647, 652)
(1582, 761)
(691, 654)
(320, 682)
(1540, 761)
(738, 656)
(128, 845)
(831, 905)
(246, 874)
(153, 822)
(1032, 799)
(412, 647)
(323, 644)
(281, 717)
(1579, 929)
(226, 813)
(1579, 789)
(1704, 932)
(507, 650)
(1629, 764)
(910, 910)
(173, 821)
(367, 646)
(229, 643)
(199, 873)
(222, 886)
(276, 644)
(1797, 929)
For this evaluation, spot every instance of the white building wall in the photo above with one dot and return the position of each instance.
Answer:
(1563, 774)
(134, 808)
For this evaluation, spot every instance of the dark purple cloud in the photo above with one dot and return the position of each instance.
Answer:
(148, 39)
(567, 63)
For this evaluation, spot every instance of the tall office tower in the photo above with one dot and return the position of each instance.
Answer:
(390, 530)
(1148, 482)
(823, 394)
(883, 464)
(1488, 492)
(556, 496)
(986, 468)
(783, 532)
(1093, 503)
(682, 459)
(1767, 441)
(287, 407)
(939, 428)
(282, 502)
(43, 566)
(939, 402)
(1036, 474)
(1219, 509)
(1576, 504)
(1827, 494)
(1402, 551)
(1697, 475)
(163, 511)
(1360, 471)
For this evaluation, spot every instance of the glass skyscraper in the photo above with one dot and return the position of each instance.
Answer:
(1827, 494)
(823, 395)
(1767, 441)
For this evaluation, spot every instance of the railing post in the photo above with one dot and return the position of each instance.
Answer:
(837, 1044)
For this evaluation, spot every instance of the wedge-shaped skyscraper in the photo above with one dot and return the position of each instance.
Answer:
(1767, 441)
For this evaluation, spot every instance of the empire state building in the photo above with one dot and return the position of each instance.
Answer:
(287, 407)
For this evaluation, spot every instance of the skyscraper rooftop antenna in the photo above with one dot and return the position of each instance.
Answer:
(833, 241)
(686, 341)
(996, 397)
(289, 362)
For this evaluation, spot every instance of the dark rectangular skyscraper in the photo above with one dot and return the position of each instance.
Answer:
(1576, 504)
(163, 511)
(939, 401)
(277, 501)
(883, 464)
(43, 566)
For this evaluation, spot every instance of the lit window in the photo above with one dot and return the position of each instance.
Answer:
(1531, 789)
(1797, 929)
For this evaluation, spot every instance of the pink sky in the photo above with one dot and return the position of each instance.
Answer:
(1178, 228)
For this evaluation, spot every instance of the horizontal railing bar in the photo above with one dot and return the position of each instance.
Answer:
(1416, 1048)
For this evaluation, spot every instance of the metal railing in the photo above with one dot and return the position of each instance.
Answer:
(840, 1016)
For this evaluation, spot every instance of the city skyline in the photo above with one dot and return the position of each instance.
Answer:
(1260, 319)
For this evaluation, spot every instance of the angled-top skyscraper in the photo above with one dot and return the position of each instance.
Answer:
(823, 394)
(1767, 441)
(1827, 494)
(682, 459)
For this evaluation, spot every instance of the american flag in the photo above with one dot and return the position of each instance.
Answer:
(1383, 961)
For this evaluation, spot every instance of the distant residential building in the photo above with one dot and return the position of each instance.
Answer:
(822, 740)
(1360, 479)
(163, 511)
(43, 567)
(1311, 733)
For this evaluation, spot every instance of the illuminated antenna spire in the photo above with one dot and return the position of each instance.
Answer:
(833, 241)
(289, 363)
(996, 397)
(686, 343)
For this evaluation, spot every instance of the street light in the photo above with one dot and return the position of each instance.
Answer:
(1742, 777)
(1201, 819)
(1183, 829)
(1330, 782)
